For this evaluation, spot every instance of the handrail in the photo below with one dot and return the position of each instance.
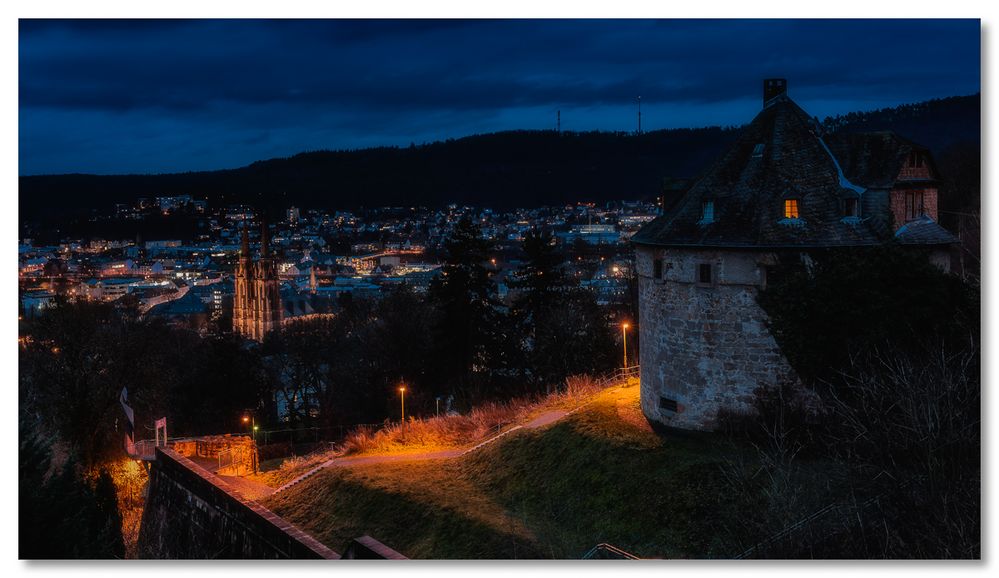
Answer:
(604, 550)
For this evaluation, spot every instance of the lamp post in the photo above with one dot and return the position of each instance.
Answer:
(402, 403)
(251, 424)
(624, 342)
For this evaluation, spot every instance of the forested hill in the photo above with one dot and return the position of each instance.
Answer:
(938, 124)
(506, 169)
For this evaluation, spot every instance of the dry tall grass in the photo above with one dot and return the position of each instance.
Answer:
(444, 432)
(293, 467)
(484, 421)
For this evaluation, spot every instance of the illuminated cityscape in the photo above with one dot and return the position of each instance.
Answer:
(500, 289)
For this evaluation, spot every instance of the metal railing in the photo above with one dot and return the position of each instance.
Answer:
(621, 373)
(606, 551)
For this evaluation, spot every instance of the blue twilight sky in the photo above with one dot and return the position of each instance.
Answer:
(176, 95)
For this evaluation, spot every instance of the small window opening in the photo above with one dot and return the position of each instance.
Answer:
(707, 211)
(668, 404)
(657, 268)
(704, 273)
(851, 208)
(913, 205)
(758, 150)
(790, 208)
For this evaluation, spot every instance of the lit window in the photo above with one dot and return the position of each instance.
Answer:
(850, 208)
(790, 208)
(707, 211)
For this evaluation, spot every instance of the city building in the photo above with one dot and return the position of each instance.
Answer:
(256, 308)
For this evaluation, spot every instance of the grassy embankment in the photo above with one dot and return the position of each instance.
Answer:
(439, 433)
(599, 475)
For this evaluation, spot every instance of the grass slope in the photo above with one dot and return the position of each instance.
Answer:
(600, 475)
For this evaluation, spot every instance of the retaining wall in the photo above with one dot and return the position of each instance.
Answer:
(191, 513)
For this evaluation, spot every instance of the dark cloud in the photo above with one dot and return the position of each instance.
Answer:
(166, 95)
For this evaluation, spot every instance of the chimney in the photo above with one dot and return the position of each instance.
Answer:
(772, 88)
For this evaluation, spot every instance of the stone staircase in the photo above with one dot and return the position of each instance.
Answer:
(306, 475)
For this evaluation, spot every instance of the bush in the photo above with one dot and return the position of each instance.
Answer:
(890, 344)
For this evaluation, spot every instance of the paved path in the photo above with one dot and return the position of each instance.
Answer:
(546, 418)
(542, 420)
(251, 489)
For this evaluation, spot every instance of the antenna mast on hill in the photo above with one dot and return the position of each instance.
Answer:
(558, 122)
(639, 115)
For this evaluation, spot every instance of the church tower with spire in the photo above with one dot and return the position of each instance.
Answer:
(256, 308)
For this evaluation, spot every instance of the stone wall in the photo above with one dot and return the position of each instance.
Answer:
(704, 346)
(236, 454)
(367, 548)
(191, 513)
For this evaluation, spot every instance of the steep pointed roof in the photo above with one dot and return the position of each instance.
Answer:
(265, 251)
(244, 247)
(780, 155)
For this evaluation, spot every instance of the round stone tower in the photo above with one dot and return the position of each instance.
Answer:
(779, 190)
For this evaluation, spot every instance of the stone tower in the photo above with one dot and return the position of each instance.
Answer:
(257, 306)
(782, 190)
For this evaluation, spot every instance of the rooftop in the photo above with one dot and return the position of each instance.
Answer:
(780, 155)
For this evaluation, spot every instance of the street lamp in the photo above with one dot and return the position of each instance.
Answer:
(402, 402)
(251, 423)
(624, 342)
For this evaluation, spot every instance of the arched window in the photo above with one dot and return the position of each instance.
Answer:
(791, 208)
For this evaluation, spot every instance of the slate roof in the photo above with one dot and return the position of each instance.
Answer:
(297, 303)
(873, 159)
(924, 231)
(189, 304)
(779, 155)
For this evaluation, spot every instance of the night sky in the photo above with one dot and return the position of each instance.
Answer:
(166, 96)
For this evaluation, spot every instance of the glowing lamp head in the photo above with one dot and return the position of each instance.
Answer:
(246, 419)
(402, 389)
(625, 326)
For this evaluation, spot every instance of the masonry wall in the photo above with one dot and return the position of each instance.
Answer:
(703, 346)
(192, 514)
(237, 454)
